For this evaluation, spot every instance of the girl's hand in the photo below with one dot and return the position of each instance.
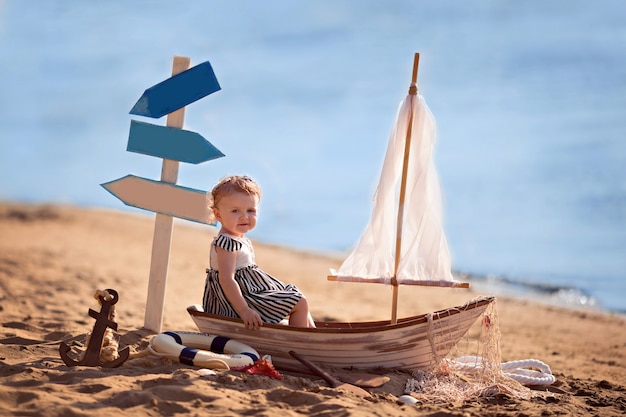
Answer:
(251, 319)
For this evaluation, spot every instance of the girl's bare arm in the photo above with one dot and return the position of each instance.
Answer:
(226, 263)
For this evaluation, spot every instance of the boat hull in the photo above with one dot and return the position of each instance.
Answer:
(412, 343)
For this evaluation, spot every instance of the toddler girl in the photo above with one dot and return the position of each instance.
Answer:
(235, 285)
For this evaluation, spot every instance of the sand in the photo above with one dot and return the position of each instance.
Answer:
(53, 259)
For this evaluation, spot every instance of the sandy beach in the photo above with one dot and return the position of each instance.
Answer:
(54, 258)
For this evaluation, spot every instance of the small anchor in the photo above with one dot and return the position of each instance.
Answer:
(92, 354)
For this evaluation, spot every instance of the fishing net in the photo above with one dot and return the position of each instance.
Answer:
(472, 369)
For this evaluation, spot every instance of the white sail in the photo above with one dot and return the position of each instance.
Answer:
(424, 250)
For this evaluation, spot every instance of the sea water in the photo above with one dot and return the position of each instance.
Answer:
(529, 98)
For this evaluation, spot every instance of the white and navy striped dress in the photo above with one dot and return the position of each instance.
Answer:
(271, 298)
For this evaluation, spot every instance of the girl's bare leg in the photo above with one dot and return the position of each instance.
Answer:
(310, 320)
(300, 316)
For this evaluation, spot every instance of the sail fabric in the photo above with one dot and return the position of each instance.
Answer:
(424, 249)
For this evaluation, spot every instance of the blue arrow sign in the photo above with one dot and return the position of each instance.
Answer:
(177, 91)
(170, 143)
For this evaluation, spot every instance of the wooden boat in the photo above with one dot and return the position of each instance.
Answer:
(416, 255)
(412, 343)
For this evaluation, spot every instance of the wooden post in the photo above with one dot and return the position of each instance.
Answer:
(405, 169)
(161, 242)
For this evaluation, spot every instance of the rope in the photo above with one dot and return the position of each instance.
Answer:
(431, 337)
(517, 370)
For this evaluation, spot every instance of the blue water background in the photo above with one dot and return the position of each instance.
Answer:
(529, 97)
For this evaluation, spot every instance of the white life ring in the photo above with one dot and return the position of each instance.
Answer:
(203, 350)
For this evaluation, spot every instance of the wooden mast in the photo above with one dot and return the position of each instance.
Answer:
(405, 169)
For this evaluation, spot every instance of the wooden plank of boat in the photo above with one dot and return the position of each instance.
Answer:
(411, 343)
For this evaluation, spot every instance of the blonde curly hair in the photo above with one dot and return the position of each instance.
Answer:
(227, 186)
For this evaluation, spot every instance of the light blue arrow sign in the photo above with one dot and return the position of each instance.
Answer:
(170, 143)
(177, 91)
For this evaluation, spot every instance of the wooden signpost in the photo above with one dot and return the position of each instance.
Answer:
(174, 145)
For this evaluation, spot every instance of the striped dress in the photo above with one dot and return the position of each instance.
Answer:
(269, 297)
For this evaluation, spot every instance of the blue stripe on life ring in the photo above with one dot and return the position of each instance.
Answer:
(251, 356)
(175, 336)
(187, 356)
(218, 344)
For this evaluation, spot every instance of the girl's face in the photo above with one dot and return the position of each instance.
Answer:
(237, 213)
